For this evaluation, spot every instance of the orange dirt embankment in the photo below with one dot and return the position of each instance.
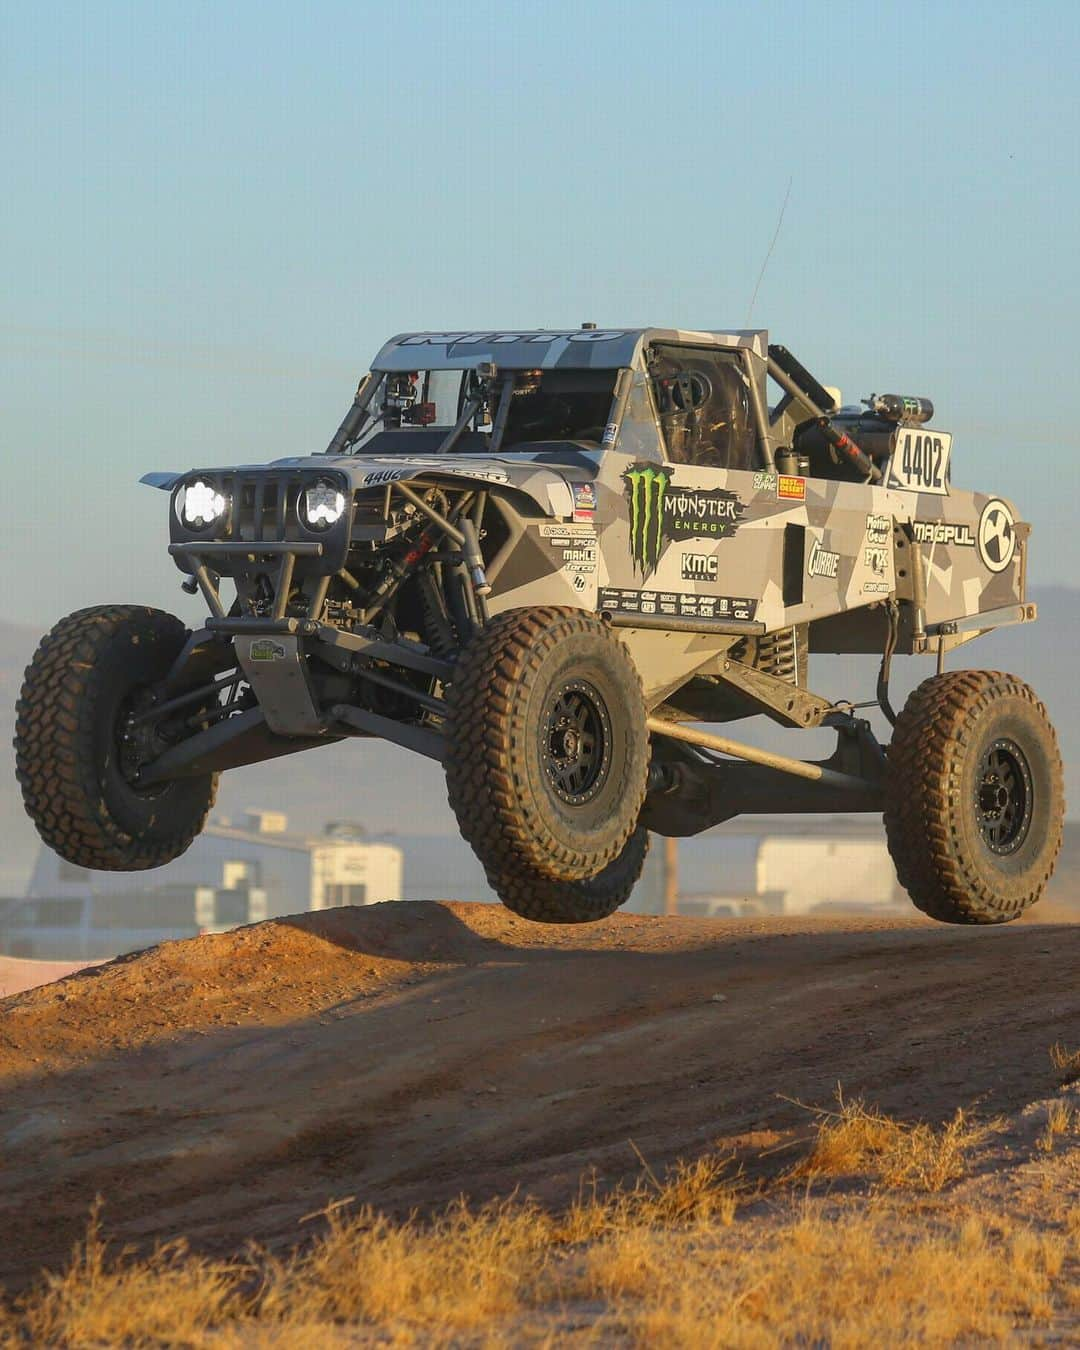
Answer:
(227, 1086)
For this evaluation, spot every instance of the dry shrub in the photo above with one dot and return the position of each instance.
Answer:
(1061, 1119)
(852, 1282)
(171, 1297)
(1066, 1063)
(699, 1192)
(662, 1258)
(856, 1140)
(459, 1270)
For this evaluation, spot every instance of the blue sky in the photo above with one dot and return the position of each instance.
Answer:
(214, 213)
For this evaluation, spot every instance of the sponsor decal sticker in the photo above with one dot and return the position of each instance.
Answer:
(876, 588)
(660, 511)
(943, 532)
(265, 649)
(646, 487)
(385, 476)
(495, 338)
(584, 501)
(702, 513)
(764, 481)
(877, 559)
(997, 535)
(821, 562)
(575, 544)
(720, 609)
(878, 529)
(563, 532)
(920, 462)
(791, 488)
(699, 566)
(488, 470)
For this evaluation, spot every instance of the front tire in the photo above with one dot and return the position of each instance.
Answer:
(547, 750)
(74, 768)
(974, 797)
(595, 898)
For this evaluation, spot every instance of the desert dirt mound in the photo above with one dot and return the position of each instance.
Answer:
(225, 1087)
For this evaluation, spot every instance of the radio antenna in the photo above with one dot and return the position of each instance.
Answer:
(768, 255)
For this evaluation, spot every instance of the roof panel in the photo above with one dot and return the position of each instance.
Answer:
(542, 348)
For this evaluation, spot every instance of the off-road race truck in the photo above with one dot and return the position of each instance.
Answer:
(543, 560)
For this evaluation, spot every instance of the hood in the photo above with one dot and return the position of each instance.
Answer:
(544, 473)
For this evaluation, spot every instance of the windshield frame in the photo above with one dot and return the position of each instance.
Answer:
(484, 399)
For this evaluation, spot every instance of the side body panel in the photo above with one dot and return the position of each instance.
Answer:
(754, 551)
(974, 549)
(725, 552)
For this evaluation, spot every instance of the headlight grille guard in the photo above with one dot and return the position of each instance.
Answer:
(262, 510)
(262, 534)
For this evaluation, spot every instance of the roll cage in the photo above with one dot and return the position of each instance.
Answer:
(686, 404)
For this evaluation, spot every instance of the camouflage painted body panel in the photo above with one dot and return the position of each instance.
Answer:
(707, 553)
(753, 548)
(763, 549)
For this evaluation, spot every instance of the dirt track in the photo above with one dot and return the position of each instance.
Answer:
(225, 1087)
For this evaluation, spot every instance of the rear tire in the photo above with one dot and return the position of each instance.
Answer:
(974, 797)
(547, 750)
(72, 764)
(547, 901)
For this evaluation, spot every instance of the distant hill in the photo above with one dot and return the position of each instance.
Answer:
(392, 792)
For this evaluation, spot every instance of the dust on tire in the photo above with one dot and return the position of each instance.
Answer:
(938, 816)
(66, 753)
(499, 785)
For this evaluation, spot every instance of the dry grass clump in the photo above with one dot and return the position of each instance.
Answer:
(659, 1263)
(167, 1298)
(856, 1140)
(1061, 1120)
(699, 1192)
(856, 1281)
(1066, 1063)
(463, 1269)
(459, 1270)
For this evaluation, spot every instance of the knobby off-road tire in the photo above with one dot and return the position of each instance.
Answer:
(86, 676)
(974, 797)
(546, 746)
(546, 901)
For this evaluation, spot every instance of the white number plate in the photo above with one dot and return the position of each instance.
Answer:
(920, 462)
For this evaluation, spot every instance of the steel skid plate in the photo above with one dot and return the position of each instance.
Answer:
(275, 667)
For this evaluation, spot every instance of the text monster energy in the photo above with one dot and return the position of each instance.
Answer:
(646, 487)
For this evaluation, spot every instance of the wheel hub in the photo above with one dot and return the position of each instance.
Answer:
(136, 738)
(1003, 797)
(576, 742)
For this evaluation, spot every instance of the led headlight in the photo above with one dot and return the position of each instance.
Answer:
(201, 504)
(322, 504)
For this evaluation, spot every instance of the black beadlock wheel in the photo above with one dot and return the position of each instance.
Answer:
(974, 797)
(547, 750)
(546, 901)
(76, 756)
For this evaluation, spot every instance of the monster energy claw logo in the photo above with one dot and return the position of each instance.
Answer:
(646, 487)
